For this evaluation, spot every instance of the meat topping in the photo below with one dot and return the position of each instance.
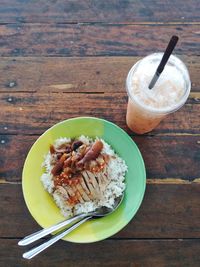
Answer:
(75, 167)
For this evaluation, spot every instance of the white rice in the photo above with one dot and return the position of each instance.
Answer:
(61, 141)
(116, 170)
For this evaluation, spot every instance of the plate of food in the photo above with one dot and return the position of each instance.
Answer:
(79, 165)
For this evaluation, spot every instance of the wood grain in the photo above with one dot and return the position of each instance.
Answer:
(102, 74)
(174, 157)
(62, 59)
(95, 40)
(33, 113)
(98, 11)
(167, 211)
(135, 253)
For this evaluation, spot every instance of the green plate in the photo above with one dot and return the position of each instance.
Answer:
(41, 204)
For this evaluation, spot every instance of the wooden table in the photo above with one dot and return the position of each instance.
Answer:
(62, 59)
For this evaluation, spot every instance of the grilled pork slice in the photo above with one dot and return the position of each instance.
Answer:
(62, 192)
(103, 180)
(85, 188)
(82, 192)
(89, 186)
(94, 183)
(77, 194)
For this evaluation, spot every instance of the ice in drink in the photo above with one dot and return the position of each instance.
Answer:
(147, 107)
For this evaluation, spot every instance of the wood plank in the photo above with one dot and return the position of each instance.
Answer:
(62, 74)
(109, 253)
(33, 113)
(98, 11)
(167, 211)
(95, 40)
(174, 157)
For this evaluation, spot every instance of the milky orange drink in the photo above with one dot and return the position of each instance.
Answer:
(147, 107)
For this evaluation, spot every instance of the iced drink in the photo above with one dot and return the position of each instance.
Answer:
(147, 107)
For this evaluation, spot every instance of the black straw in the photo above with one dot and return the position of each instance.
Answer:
(168, 52)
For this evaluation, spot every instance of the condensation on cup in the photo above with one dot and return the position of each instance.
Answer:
(146, 108)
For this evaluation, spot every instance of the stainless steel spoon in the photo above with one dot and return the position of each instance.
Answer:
(101, 212)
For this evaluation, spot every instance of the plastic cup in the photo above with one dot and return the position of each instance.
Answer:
(143, 117)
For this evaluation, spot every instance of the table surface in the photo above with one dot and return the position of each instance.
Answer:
(62, 59)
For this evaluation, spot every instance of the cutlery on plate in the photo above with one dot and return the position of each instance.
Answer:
(74, 222)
